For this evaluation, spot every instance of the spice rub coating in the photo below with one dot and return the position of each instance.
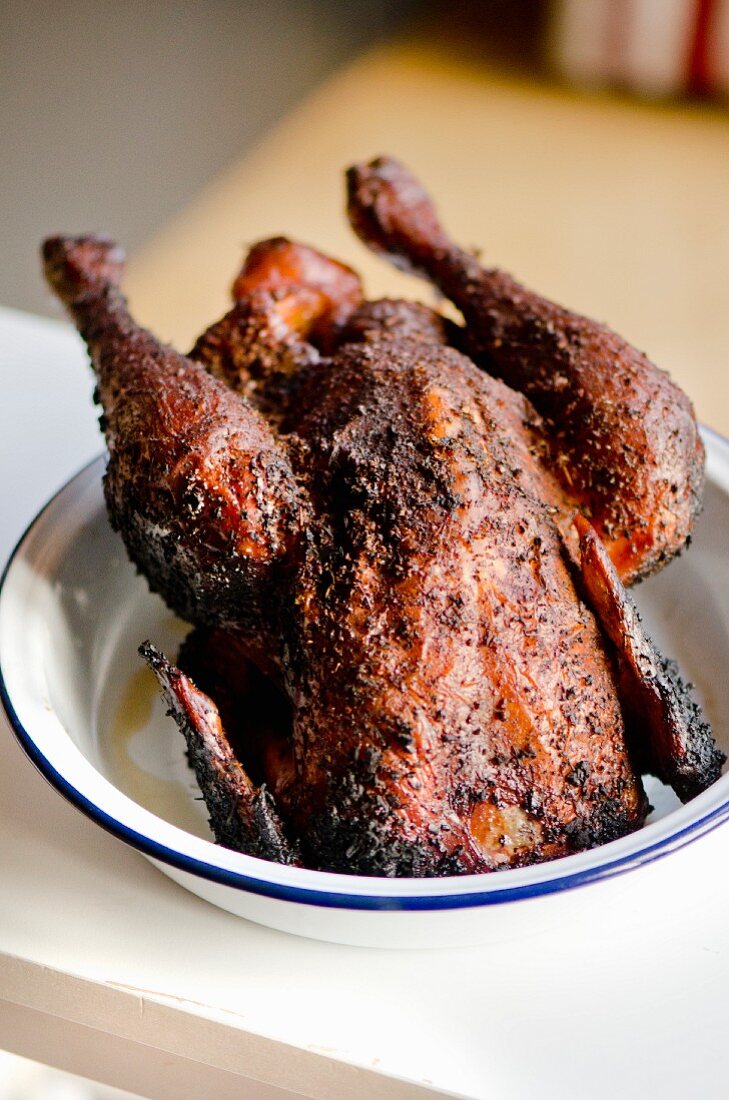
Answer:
(198, 485)
(675, 740)
(243, 816)
(450, 688)
(393, 670)
(622, 438)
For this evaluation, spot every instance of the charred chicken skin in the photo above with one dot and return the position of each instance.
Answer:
(407, 659)
(620, 436)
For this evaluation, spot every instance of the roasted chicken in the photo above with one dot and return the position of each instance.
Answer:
(412, 650)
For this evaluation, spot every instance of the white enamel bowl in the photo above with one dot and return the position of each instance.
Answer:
(72, 612)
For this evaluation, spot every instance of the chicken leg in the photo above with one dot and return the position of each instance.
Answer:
(197, 484)
(621, 437)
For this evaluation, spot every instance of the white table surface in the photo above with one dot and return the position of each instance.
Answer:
(109, 969)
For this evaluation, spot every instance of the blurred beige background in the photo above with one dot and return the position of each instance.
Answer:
(113, 115)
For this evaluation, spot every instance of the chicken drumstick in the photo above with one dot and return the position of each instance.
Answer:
(622, 437)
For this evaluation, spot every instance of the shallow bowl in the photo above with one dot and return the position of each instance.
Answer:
(88, 714)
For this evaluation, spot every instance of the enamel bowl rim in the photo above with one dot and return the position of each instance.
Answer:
(164, 842)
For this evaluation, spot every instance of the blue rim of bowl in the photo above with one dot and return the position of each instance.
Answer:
(326, 898)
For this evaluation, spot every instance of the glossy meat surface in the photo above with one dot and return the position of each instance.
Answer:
(243, 815)
(393, 670)
(676, 742)
(621, 437)
(449, 685)
(325, 291)
(200, 488)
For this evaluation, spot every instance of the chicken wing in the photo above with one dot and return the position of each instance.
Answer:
(671, 736)
(243, 816)
(287, 295)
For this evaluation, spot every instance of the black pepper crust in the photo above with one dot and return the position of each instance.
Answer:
(432, 724)
(393, 318)
(197, 484)
(243, 816)
(619, 435)
(370, 544)
(674, 741)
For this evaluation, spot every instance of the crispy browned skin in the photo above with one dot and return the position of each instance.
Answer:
(388, 319)
(202, 492)
(434, 730)
(287, 295)
(243, 816)
(454, 691)
(334, 790)
(392, 317)
(332, 290)
(454, 704)
(254, 350)
(255, 712)
(622, 437)
(403, 324)
(675, 742)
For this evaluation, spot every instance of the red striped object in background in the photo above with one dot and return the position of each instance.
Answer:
(659, 47)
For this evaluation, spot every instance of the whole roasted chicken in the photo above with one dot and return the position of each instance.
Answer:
(402, 545)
